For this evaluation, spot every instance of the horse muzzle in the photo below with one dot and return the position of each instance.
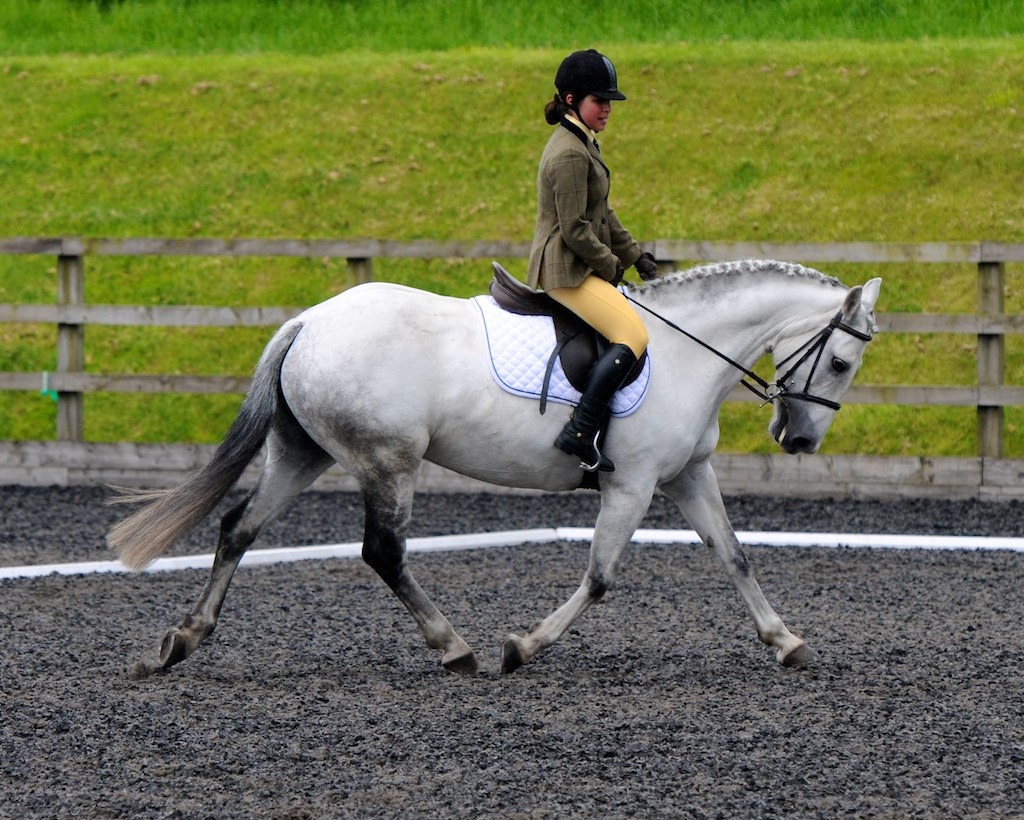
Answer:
(788, 432)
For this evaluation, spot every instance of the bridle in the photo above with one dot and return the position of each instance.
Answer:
(780, 388)
(815, 346)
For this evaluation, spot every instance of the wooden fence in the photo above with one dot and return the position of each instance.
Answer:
(70, 459)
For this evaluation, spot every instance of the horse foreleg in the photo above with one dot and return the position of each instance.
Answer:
(387, 522)
(516, 650)
(621, 513)
(699, 498)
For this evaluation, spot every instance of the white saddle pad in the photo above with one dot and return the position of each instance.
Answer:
(519, 348)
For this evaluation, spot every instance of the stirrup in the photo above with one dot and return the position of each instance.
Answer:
(573, 446)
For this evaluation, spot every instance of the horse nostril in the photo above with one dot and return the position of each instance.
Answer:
(801, 444)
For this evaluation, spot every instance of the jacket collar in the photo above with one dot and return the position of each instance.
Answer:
(582, 133)
(578, 127)
(573, 126)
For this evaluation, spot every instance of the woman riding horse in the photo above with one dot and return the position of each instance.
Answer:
(580, 248)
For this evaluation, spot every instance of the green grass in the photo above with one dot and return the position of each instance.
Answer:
(262, 119)
(907, 142)
(317, 27)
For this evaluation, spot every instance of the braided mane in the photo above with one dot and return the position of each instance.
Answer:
(746, 266)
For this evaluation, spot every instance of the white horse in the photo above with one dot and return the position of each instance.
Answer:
(382, 377)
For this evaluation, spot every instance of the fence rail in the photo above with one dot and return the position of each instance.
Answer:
(989, 324)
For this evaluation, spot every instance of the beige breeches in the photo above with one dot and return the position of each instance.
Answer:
(602, 306)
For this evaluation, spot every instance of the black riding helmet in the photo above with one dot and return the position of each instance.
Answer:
(588, 72)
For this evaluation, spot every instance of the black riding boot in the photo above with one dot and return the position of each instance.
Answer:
(579, 437)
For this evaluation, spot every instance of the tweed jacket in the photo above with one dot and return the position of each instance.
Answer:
(577, 231)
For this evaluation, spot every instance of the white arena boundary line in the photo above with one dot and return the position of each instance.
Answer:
(536, 536)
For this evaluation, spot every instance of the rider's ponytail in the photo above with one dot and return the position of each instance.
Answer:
(555, 109)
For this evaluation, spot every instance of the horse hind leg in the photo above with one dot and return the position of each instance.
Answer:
(287, 473)
(388, 503)
(181, 641)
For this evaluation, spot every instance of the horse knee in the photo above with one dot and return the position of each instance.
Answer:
(740, 564)
(597, 586)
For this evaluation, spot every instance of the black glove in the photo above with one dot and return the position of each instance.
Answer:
(647, 267)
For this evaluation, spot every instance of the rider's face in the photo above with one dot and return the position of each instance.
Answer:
(595, 112)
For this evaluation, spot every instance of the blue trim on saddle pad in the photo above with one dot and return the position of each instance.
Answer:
(518, 351)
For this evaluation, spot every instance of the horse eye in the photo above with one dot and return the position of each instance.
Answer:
(839, 365)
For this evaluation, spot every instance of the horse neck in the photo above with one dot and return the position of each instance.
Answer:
(747, 315)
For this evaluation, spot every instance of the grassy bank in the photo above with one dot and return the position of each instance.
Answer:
(803, 141)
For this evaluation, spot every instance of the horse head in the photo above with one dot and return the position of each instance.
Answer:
(810, 381)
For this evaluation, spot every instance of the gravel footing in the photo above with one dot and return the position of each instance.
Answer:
(318, 698)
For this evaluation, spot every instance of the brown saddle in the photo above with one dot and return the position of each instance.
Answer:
(577, 344)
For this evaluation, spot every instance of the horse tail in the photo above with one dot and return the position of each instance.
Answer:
(150, 532)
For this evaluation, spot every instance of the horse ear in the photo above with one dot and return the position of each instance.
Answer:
(871, 289)
(852, 301)
(862, 297)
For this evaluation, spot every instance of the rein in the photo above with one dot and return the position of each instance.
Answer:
(778, 389)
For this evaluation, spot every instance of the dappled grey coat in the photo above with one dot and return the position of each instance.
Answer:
(577, 231)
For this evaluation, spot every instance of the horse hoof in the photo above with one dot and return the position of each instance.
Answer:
(801, 655)
(464, 664)
(173, 649)
(511, 655)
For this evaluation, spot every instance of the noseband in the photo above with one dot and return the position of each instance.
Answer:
(780, 388)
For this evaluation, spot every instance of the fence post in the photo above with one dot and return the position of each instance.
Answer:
(360, 270)
(70, 347)
(991, 359)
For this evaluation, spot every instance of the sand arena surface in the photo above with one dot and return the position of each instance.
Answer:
(317, 697)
